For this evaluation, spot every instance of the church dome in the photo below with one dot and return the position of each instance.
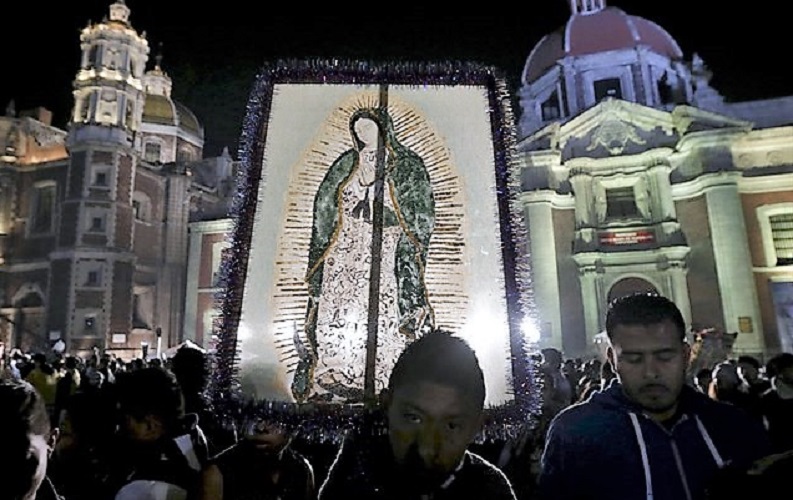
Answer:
(600, 30)
(162, 110)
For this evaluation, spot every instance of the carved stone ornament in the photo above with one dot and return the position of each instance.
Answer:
(614, 134)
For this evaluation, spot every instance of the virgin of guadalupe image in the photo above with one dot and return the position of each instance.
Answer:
(332, 366)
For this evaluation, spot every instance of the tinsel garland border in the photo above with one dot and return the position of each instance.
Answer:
(328, 422)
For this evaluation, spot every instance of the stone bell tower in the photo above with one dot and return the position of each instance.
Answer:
(93, 266)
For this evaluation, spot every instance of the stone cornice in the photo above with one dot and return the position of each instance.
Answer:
(698, 186)
(766, 183)
(556, 200)
(211, 226)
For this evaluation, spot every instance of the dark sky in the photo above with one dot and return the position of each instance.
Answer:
(213, 54)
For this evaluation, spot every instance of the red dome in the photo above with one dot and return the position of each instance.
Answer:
(607, 29)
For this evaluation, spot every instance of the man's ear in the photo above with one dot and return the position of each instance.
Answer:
(53, 439)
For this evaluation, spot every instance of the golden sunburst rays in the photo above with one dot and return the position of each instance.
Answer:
(445, 271)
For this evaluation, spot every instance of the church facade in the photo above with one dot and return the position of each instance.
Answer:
(637, 175)
(94, 220)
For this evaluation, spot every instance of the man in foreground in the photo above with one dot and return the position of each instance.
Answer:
(27, 440)
(434, 409)
(648, 435)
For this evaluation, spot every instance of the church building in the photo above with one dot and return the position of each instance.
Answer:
(639, 176)
(94, 219)
(636, 175)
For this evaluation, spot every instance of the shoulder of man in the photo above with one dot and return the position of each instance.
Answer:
(299, 464)
(47, 491)
(734, 428)
(358, 470)
(581, 415)
(717, 412)
(479, 473)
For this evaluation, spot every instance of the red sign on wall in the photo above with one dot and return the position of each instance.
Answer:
(626, 237)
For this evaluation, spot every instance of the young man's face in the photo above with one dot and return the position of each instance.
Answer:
(651, 362)
(266, 437)
(146, 429)
(429, 427)
(28, 471)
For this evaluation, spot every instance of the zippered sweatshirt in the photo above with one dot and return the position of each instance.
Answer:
(606, 449)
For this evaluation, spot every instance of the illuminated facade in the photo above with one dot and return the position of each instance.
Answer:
(93, 220)
(638, 176)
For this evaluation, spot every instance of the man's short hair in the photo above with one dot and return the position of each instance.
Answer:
(23, 408)
(191, 367)
(442, 358)
(643, 309)
(552, 356)
(750, 360)
(778, 364)
(151, 391)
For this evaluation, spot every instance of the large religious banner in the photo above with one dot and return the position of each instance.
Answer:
(375, 202)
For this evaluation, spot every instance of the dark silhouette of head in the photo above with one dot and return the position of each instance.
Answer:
(150, 399)
(191, 368)
(780, 367)
(552, 358)
(26, 437)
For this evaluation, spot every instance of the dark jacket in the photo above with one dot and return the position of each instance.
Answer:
(778, 417)
(247, 475)
(176, 460)
(364, 470)
(47, 491)
(605, 448)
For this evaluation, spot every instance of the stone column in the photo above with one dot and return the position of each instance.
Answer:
(542, 248)
(590, 295)
(734, 264)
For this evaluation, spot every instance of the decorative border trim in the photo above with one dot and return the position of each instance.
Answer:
(327, 421)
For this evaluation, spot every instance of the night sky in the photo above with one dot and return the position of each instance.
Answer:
(213, 55)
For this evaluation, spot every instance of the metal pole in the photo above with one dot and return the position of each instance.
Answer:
(370, 397)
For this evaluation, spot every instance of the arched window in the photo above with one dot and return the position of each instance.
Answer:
(152, 152)
(608, 87)
(184, 155)
(42, 208)
(551, 110)
(93, 57)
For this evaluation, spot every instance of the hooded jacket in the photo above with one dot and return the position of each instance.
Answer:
(605, 448)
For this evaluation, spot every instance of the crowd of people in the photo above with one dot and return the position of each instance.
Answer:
(635, 425)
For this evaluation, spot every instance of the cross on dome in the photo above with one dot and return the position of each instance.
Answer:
(586, 6)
